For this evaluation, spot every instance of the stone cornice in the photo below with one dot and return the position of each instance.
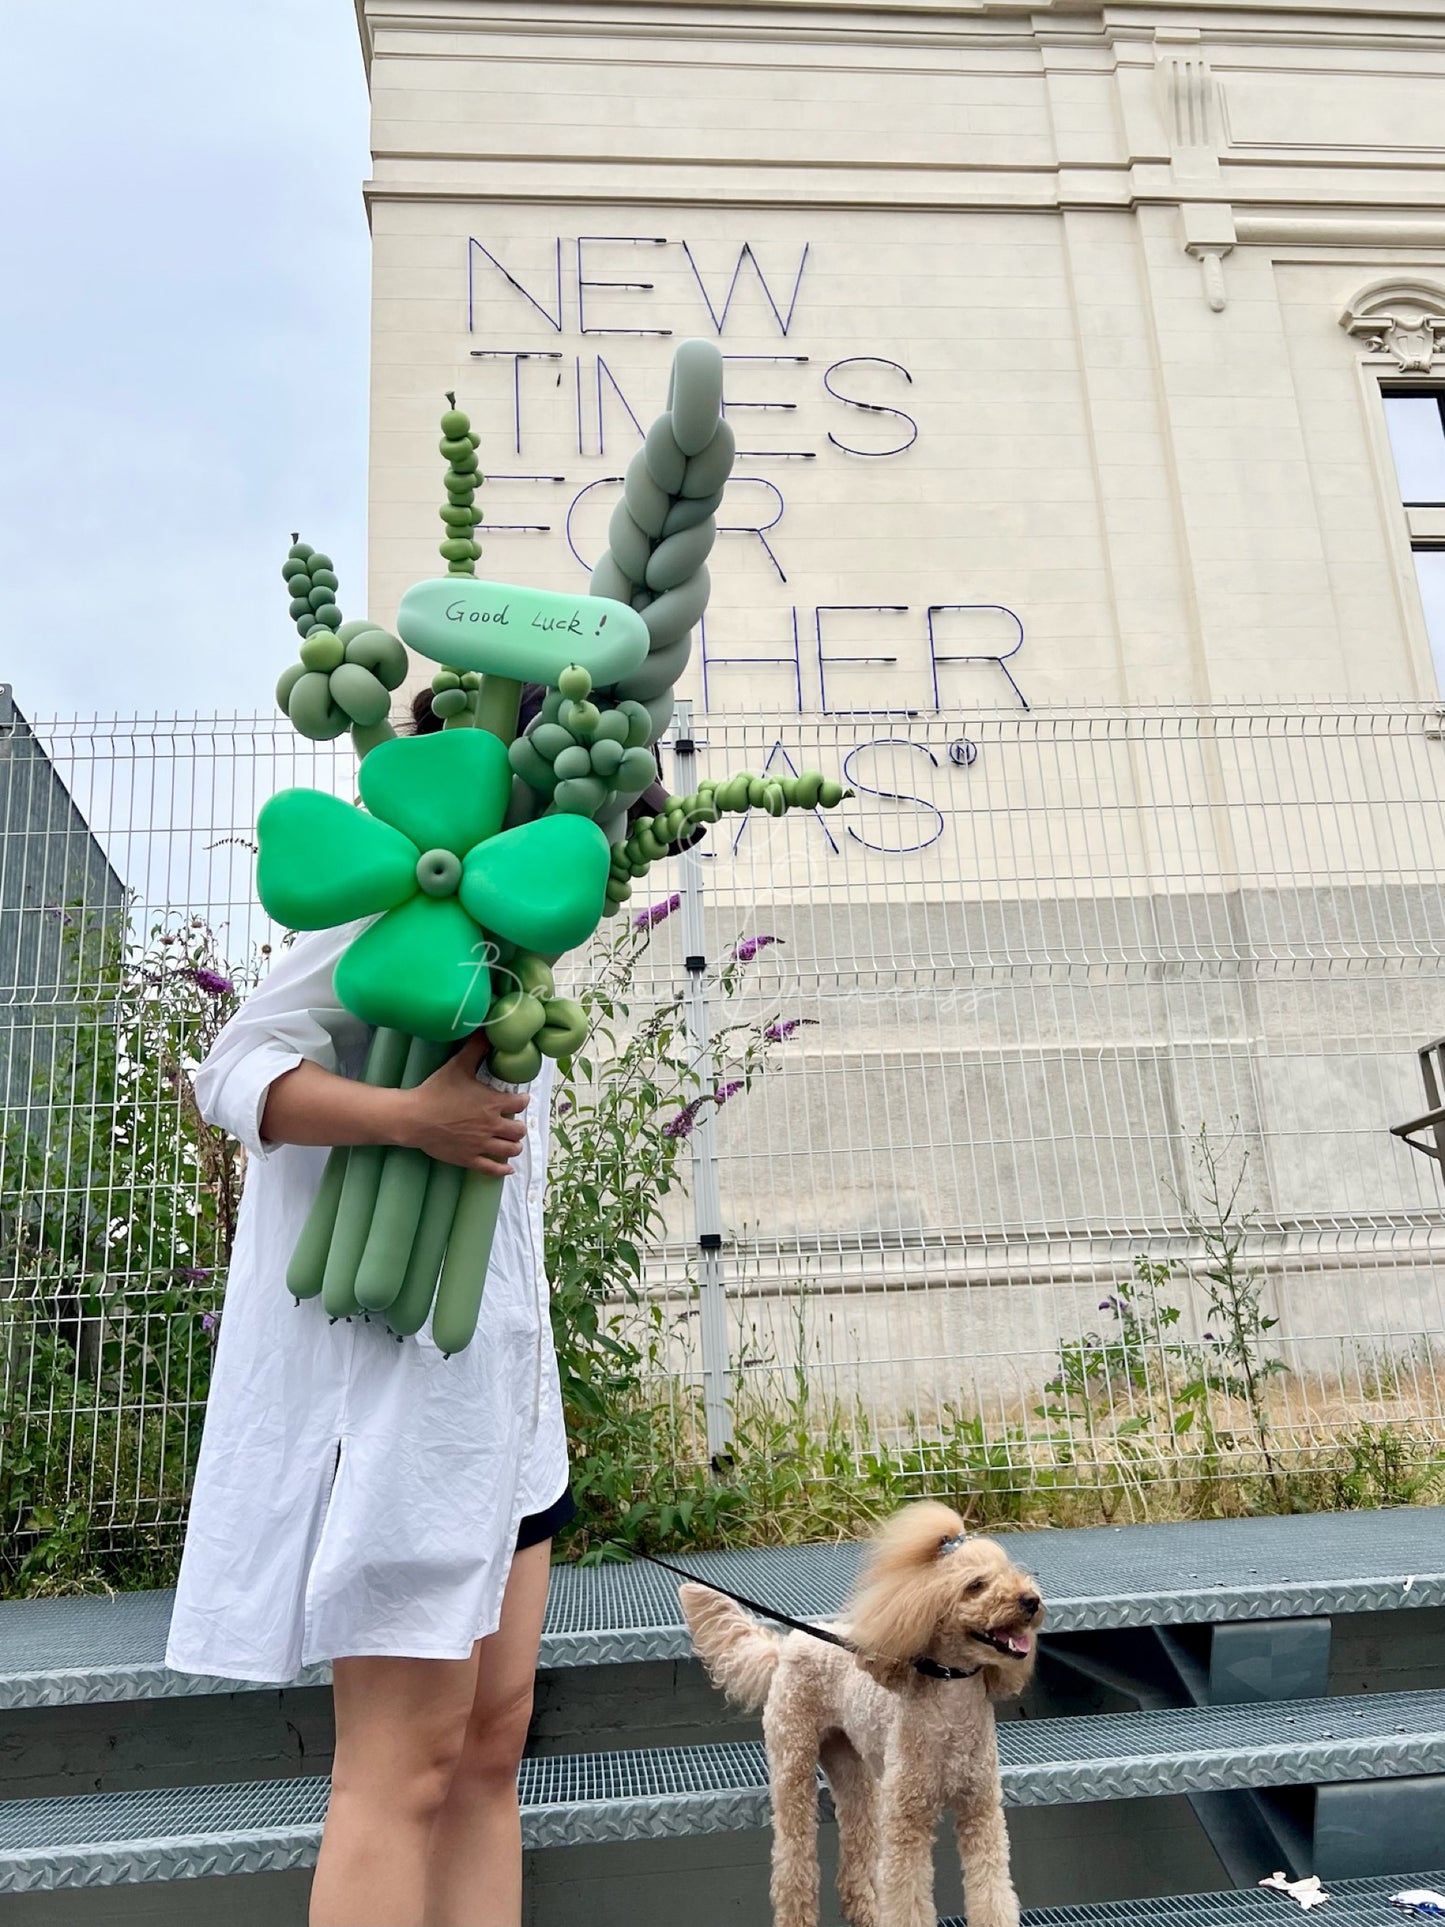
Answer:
(962, 190)
(915, 22)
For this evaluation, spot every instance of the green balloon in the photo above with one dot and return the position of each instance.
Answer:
(366, 737)
(709, 469)
(666, 463)
(464, 1269)
(514, 1020)
(322, 862)
(400, 1197)
(672, 562)
(527, 635)
(697, 386)
(364, 699)
(637, 769)
(580, 795)
(567, 1020)
(287, 681)
(534, 975)
(533, 769)
(424, 967)
(307, 1268)
(408, 1311)
(322, 650)
(375, 650)
(462, 802)
(499, 879)
(549, 740)
(310, 707)
(516, 1066)
(686, 512)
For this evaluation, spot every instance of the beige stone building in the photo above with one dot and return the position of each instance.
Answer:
(1080, 317)
(1088, 365)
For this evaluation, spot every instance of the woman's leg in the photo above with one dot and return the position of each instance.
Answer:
(400, 1729)
(475, 1874)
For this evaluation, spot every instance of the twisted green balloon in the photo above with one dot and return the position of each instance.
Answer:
(663, 529)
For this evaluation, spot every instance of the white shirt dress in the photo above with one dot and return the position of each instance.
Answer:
(355, 1495)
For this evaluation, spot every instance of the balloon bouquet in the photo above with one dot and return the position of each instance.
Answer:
(481, 852)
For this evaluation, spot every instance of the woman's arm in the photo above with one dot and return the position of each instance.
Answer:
(450, 1116)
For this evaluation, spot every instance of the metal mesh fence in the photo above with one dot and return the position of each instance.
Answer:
(1071, 1164)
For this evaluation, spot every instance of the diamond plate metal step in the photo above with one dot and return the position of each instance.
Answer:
(1354, 1903)
(56, 1652)
(603, 1797)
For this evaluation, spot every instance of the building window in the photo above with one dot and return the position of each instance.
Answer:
(1416, 421)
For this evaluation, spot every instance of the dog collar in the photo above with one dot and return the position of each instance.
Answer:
(933, 1669)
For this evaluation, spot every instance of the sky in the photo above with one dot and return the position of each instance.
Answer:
(184, 304)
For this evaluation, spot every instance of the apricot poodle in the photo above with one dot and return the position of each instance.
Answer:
(897, 1743)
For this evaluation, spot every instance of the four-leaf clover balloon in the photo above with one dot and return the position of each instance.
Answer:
(428, 858)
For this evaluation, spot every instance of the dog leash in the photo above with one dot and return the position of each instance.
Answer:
(929, 1668)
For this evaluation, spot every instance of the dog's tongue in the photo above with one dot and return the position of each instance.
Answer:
(1017, 1643)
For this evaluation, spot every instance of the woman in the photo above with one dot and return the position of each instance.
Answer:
(368, 1501)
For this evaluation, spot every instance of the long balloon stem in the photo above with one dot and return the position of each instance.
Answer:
(385, 1063)
(499, 701)
(399, 1198)
(464, 1269)
(408, 1311)
(308, 1261)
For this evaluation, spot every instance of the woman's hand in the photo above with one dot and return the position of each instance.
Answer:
(459, 1121)
(451, 1116)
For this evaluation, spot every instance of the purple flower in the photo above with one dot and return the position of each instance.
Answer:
(563, 1106)
(1108, 1304)
(657, 913)
(745, 951)
(209, 1321)
(780, 1032)
(209, 981)
(195, 1273)
(681, 1125)
(724, 1091)
(1209, 1338)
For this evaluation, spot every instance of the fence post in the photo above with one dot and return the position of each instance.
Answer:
(706, 1198)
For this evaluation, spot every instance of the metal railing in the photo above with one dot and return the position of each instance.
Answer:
(1076, 1154)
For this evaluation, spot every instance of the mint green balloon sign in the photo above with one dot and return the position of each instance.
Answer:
(530, 635)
